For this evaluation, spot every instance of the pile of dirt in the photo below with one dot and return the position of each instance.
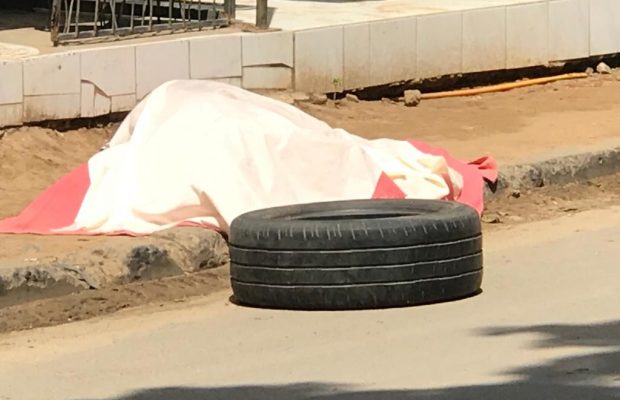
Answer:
(32, 158)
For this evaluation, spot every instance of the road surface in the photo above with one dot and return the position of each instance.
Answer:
(546, 327)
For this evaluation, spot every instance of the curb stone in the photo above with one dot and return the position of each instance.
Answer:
(172, 252)
(557, 171)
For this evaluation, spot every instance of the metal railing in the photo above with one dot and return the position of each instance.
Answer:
(83, 20)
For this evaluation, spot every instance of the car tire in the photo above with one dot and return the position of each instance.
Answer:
(356, 254)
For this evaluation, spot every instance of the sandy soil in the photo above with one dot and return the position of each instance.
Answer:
(514, 126)
(32, 158)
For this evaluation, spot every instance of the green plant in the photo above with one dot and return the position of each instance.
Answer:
(336, 83)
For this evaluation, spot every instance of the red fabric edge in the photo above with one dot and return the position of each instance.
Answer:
(473, 174)
(58, 206)
(55, 208)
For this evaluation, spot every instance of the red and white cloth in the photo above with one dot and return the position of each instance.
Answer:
(202, 153)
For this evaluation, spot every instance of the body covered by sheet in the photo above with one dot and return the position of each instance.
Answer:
(205, 152)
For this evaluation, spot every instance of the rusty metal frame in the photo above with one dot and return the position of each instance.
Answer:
(86, 20)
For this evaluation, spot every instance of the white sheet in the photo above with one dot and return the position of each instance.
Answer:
(207, 152)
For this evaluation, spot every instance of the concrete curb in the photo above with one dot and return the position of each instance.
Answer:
(173, 252)
(557, 171)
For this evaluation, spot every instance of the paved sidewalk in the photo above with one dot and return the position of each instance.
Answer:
(306, 14)
(18, 40)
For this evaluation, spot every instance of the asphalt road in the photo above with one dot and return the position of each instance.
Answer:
(546, 327)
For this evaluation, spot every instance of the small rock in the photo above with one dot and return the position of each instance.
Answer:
(318, 99)
(516, 194)
(387, 101)
(201, 249)
(492, 218)
(603, 68)
(143, 257)
(535, 177)
(412, 98)
(589, 71)
(352, 98)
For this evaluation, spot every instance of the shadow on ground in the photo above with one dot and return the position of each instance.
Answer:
(19, 19)
(594, 376)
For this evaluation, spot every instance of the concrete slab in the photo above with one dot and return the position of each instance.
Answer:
(215, 57)
(357, 56)
(307, 14)
(93, 102)
(604, 26)
(393, 50)
(112, 69)
(159, 62)
(484, 39)
(11, 114)
(52, 74)
(319, 59)
(267, 77)
(11, 89)
(268, 49)
(123, 102)
(51, 107)
(440, 44)
(569, 29)
(527, 33)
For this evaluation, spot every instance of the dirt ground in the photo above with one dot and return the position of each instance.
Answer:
(516, 126)
(32, 158)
